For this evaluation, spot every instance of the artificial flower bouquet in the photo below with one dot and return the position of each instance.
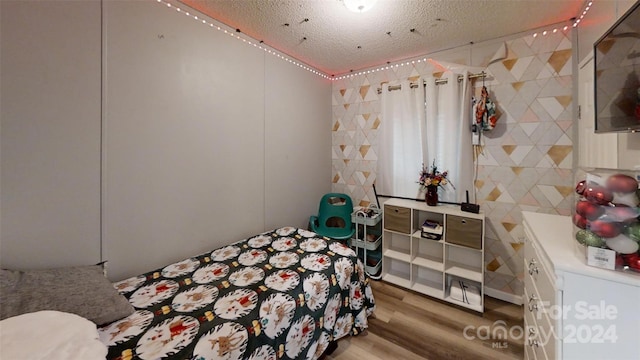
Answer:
(432, 177)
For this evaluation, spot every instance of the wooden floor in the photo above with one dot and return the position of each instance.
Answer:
(410, 326)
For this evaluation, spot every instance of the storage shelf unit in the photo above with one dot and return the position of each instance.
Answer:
(434, 267)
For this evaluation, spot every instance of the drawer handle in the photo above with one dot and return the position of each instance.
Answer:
(464, 221)
(533, 298)
(532, 262)
(534, 343)
(532, 331)
(534, 270)
(533, 307)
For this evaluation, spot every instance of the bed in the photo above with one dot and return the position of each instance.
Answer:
(283, 294)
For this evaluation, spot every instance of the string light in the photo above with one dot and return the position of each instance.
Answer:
(584, 12)
(238, 37)
(352, 74)
(545, 32)
(387, 67)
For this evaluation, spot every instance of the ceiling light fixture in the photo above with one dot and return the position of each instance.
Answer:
(359, 6)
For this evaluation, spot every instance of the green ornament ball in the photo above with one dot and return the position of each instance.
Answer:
(633, 231)
(587, 238)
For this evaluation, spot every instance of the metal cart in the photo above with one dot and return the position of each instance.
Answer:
(368, 238)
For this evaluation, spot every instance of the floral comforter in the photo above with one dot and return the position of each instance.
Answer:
(283, 294)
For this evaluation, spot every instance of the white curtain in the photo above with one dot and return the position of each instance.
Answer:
(400, 142)
(448, 134)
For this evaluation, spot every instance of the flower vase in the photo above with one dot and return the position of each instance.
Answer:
(431, 196)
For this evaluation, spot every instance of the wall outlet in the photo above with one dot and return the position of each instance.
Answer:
(475, 137)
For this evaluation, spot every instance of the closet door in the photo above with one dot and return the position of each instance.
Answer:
(50, 145)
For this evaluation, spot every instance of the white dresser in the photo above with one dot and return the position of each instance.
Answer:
(572, 310)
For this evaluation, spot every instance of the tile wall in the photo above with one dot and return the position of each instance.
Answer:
(525, 163)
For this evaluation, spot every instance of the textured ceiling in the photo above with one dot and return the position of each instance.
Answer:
(334, 40)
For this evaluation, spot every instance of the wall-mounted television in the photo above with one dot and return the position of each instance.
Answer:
(617, 75)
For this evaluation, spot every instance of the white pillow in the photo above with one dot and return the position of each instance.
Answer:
(50, 335)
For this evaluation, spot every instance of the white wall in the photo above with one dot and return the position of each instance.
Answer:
(294, 131)
(203, 140)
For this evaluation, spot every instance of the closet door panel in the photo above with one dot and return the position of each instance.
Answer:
(50, 138)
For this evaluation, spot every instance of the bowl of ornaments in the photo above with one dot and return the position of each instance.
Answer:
(606, 216)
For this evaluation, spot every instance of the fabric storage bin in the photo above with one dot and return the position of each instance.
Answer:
(397, 219)
(464, 231)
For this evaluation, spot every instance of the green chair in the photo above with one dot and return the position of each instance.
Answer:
(334, 217)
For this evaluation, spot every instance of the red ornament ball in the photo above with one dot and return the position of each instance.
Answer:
(598, 195)
(635, 263)
(581, 186)
(589, 210)
(605, 229)
(621, 183)
(580, 221)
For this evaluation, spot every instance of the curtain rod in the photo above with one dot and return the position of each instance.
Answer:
(438, 81)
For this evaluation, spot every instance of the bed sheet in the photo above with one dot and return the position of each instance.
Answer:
(283, 294)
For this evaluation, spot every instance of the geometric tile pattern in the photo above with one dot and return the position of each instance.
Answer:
(524, 163)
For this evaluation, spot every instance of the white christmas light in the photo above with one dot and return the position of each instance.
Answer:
(357, 6)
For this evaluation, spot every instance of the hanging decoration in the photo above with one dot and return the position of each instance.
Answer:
(484, 111)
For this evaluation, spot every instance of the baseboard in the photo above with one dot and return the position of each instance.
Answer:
(504, 296)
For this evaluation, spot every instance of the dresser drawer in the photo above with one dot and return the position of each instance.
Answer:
(539, 326)
(540, 335)
(534, 337)
(536, 274)
(545, 298)
(464, 231)
(397, 218)
(529, 352)
(540, 338)
(534, 307)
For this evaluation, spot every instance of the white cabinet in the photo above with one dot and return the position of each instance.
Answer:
(449, 268)
(572, 310)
